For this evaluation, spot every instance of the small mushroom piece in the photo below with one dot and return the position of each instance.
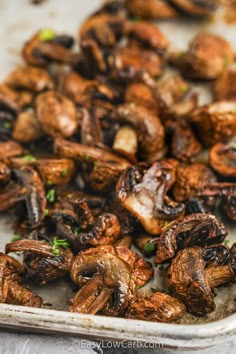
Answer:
(90, 129)
(131, 62)
(215, 255)
(196, 7)
(126, 143)
(11, 290)
(34, 196)
(5, 173)
(40, 50)
(158, 307)
(55, 171)
(43, 262)
(144, 193)
(10, 195)
(225, 87)
(87, 154)
(113, 8)
(148, 35)
(105, 231)
(57, 114)
(9, 149)
(184, 144)
(206, 58)
(93, 59)
(27, 127)
(193, 230)
(106, 282)
(140, 94)
(192, 283)
(29, 78)
(9, 100)
(150, 131)
(105, 29)
(223, 158)
(215, 122)
(190, 179)
(150, 9)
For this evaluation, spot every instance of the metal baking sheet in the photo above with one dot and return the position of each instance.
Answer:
(19, 20)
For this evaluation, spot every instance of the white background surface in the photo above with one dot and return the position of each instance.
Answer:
(18, 20)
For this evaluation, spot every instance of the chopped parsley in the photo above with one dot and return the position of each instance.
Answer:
(6, 125)
(226, 242)
(49, 182)
(184, 88)
(149, 247)
(46, 211)
(29, 158)
(87, 157)
(15, 237)
(51, 194)
(154, 290)
(58, 243)
(64, 172)
(76, 231)
(47, 34)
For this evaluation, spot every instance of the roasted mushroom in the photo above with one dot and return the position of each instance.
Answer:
(106, 283)
(149, 129)
(140, 94)
(223, 158)
(5, 173)
(144, 193)
(150, 9)
(158, 307)
(27, 127)
(195, 229)
(225, 87)
(44, 262)
(56, 114)
(196, 7)
(11, 290)
(206, 58)
(29, 78)
(190, 179)
(190, 282)
(9, 149)
(215, 122)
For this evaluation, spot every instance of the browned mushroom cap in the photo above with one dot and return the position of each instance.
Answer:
(93, 58)
(226, 192)
(126, 143)
(150, 131)
(139, 187)
(110, 279)
(173, 96)
(223, 158)
(196, 7)
(142, 95)
(148, 35)
(195, 229)
(56, 114)
(105, 231)
(187, 280)
(27, 127)
(42, 265)
(190, 179)
(225, 87)
(10, 148)
(184, 144)
(215, 255)
(5, 173)
(150, 9)
(215, 122)
(207, 56)
(131, 62)
(105, 29)
(29, 78)
(40, 52)
(34, 195)
(158, 307)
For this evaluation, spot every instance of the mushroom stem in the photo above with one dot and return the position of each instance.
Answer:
(38, 247)
(219, 275)
(126, 142)
(92, 297)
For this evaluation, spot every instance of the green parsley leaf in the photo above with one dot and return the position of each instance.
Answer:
(184, 88)
(226, 242)
(149, 247)
(154, 290)
(49, 182)
(6, 125)
(51, 195)
(47, 34)
(58, 243)
(15, 238)
(137, 287)
(76, 231)
(87, 157)
(46, 211)
(166, 223)
(64, 172)
(29, 158)
(136, 19)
